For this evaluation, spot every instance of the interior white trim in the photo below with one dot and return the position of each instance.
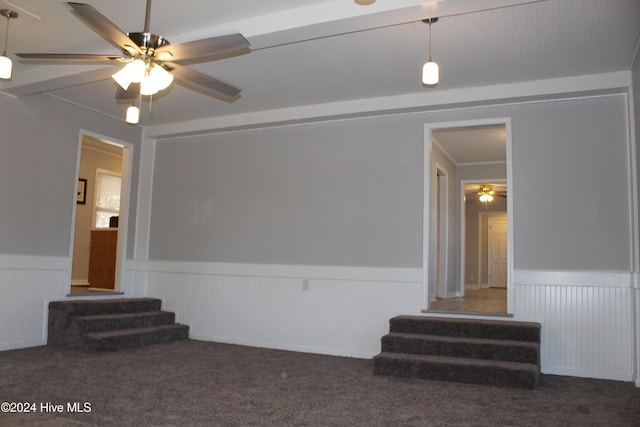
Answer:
(123, 222)
(428, 199)
(145, 190)
(377, 274)
(559, 88)
(584, 278)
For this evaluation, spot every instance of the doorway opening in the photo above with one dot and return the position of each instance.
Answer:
(476, 156)
(100, 217)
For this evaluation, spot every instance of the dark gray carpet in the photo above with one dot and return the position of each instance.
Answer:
(191, 383)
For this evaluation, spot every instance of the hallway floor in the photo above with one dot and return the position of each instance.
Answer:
(489, 300)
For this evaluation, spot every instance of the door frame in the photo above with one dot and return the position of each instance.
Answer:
(442, 232)
(125, 193)
(429, 202)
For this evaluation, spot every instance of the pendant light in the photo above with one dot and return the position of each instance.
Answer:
(430, 70)
(133, 115)
(133, 112)
(6, 65)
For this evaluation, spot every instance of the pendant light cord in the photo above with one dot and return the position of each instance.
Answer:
(6, 35)
(430, 40)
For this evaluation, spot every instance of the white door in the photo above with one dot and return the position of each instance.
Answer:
(497, 251)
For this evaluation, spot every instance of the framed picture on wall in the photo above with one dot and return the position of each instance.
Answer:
(82, 191)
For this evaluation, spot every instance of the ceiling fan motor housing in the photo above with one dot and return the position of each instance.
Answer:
(148, 42)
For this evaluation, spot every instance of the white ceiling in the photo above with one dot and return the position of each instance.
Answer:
(473, 145)
(307, 52)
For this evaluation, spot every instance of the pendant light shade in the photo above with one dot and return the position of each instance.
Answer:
(430, 73)
(133, 72)
(430, 70)
(133, 115)
(156, 80)
(6, 66)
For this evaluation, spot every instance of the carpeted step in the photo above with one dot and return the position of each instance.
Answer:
(61, 313)
(474, 371)
(126, 338)
(471, 328)
(475, 348)
(105, 306)
(109, 322)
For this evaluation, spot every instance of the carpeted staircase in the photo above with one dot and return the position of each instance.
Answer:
(113, 324)
(490, 352)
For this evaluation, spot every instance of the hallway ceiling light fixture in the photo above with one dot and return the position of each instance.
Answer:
(6, 66)
(486, 193)
(430, 69)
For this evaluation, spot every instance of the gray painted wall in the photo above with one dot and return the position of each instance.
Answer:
(38, 153)
(343, 193)
(350, 192)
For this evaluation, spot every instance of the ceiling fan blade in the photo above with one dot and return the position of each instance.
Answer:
(203, 83)
(131, 93)
(205, 49)
(105, 28)
(70, 56)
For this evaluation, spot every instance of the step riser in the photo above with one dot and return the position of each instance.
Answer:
(490, 330)
(161, 318)
(463, 374)
(138, 340)
(505, 352)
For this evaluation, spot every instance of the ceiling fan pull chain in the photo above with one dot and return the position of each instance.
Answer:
(151, 107)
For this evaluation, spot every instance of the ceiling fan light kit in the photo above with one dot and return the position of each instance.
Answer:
(486, 193)
(430, 70)
(6, 65)
(133, 72)
(152, 61)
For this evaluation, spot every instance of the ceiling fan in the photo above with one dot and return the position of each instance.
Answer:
(487, 193)
(151, 61)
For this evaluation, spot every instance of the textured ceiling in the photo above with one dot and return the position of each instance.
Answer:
(308, 52)
(472, 145)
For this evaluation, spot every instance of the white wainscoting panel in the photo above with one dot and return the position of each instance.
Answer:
(27, 284)
(587, 330)
(345, 317)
